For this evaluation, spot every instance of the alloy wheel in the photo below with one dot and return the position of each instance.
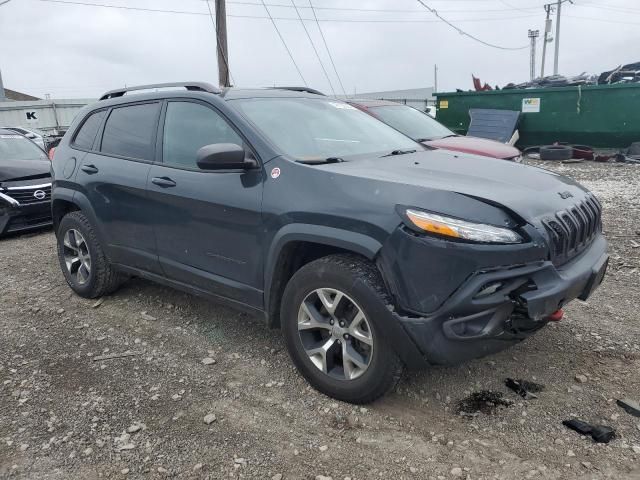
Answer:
(76, 256)
(335, 334)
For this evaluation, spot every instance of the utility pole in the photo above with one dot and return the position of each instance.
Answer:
(2, 95)
(533, 34)
(221, 35)
(547, 30)
(555, 60)
(435, 78)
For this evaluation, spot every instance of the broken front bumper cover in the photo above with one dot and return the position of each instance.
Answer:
(495, 309)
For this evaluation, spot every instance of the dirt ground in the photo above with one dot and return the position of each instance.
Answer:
(66, 414)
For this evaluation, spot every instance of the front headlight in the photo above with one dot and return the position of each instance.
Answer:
(460, 229)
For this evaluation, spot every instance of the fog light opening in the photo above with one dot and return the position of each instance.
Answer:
(488, 289)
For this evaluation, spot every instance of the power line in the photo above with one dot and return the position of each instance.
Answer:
(314, 48)
(462, 32)
(352, 20)
(123, 7)
(606, 20)
(324, 40)
(381, 10)
(185, 12)
(284, 43)
(611, 8)
(514, 7)
(5, 1)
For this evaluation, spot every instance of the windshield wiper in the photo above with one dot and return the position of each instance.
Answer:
(429, 139)
(399, 152)
(321, 161)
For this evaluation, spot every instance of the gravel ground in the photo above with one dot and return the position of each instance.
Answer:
(210, 393)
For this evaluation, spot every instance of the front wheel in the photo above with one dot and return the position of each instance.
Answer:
(332, 311)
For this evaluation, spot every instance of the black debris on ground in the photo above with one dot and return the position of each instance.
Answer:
(600, 433)
(484, 401)
(524, 388)
(629, 406)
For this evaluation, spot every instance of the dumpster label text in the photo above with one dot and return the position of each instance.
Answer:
(530, 105)
(444, 103)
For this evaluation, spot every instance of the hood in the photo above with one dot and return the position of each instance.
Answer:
(476, 146)
(528, 191)
(18, 169)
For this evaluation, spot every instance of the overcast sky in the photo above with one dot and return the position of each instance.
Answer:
(70, 50)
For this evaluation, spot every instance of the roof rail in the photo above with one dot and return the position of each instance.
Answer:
(194, 86)
(300, 89)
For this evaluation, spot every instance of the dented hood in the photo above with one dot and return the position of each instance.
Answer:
(527, 191)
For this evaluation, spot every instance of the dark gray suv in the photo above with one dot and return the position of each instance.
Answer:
(369, 251)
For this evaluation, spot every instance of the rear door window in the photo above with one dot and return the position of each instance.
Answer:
(130, 131)
(88, 131)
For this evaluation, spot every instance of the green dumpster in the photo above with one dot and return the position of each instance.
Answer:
(596, 115)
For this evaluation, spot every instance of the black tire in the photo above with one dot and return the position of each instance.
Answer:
(102, 278)
(556, 152)
(362, 285)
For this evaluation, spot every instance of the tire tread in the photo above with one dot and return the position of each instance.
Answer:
(364, 271)
(107, 279)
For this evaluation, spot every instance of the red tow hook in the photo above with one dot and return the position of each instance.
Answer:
(556, 316)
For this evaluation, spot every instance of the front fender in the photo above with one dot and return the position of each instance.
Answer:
(300, 232)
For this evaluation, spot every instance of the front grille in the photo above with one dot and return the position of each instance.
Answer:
(573, 229)
(27, 195)
(26, 222)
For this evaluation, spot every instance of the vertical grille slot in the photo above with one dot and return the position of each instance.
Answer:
(571, 231)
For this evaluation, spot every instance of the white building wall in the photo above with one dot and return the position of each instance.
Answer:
(45, 115)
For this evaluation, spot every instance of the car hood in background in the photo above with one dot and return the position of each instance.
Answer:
(476, 146)
(18, 169)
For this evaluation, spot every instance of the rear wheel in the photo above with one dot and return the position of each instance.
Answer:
(84, 265)
(331, 314)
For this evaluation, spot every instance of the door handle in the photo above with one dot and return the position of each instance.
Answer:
(163, 182)
(90, 169)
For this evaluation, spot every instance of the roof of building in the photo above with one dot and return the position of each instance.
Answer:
(15, 95)
(410, 93)
(369, 102)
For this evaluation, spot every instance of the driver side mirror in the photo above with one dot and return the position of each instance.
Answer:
(224, 156)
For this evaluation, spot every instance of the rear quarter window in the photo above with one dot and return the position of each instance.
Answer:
(130, 131)
(87, 133)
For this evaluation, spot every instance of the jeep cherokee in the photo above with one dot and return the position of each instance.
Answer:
(369, 251)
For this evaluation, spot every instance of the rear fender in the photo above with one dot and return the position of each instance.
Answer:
(81, 202)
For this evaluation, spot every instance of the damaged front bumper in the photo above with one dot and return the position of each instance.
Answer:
(494, 309)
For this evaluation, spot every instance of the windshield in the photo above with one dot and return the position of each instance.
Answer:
(17, 147)
(411, 122)
(310, 128)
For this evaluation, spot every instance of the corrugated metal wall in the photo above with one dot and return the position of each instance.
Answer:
(45, 115)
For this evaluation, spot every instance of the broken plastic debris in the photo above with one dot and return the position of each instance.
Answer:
(629, 406)
(600, 433)
(524, 388)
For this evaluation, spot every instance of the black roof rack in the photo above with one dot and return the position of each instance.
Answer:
(195, 86)
(300, 89)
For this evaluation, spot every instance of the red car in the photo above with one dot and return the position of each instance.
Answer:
(426, 129)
